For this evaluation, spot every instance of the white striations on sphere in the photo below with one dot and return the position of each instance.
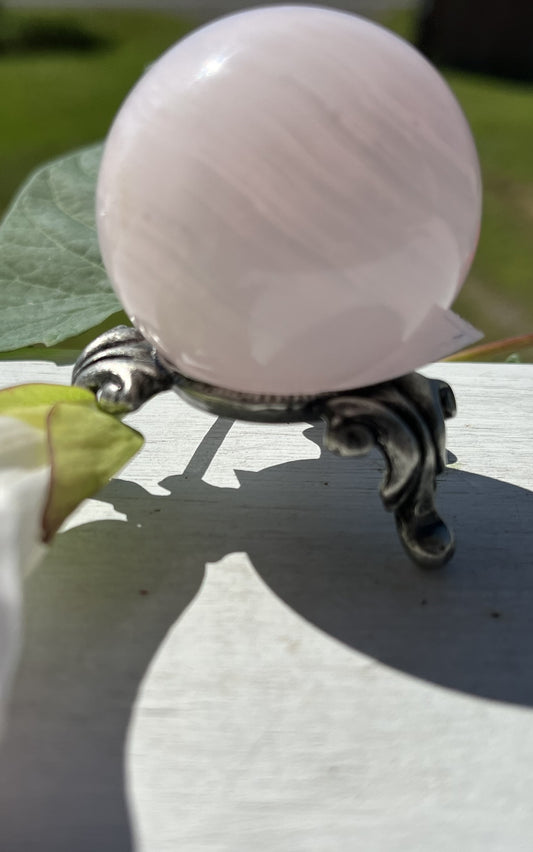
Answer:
(288, 203)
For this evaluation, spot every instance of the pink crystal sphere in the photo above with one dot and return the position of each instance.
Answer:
(288, 203)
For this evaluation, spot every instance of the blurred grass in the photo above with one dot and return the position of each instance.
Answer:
(55, 101)
(498, 294)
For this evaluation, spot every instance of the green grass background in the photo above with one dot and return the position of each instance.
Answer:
(52, 102)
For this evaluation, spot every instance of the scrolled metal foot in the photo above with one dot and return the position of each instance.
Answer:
(404, 418)
(122, 369)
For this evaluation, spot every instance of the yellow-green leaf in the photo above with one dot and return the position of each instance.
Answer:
(87, 447)
(31, 403)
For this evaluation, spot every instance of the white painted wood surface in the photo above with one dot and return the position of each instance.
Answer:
(227, 650)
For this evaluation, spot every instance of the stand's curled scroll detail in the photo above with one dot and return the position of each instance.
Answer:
(403, 417)
(122, 369)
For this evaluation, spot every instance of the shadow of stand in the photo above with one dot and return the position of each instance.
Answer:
(98, 609)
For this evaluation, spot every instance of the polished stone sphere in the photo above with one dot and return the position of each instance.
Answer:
(288, 203)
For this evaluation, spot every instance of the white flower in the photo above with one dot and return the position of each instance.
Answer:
(56, 449)
(24, 485)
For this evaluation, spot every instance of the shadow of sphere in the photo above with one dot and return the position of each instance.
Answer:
(315, 530)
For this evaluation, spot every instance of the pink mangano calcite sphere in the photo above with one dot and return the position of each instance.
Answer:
(288, 203)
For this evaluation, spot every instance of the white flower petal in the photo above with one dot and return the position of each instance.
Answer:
(24, 484)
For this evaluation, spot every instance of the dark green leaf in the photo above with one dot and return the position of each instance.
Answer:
(52, 281)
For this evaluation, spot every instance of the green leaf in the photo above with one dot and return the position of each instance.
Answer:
(32, 402)
(52, 281)
(86, 446)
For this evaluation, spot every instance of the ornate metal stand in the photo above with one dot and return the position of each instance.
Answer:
(403, 417)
